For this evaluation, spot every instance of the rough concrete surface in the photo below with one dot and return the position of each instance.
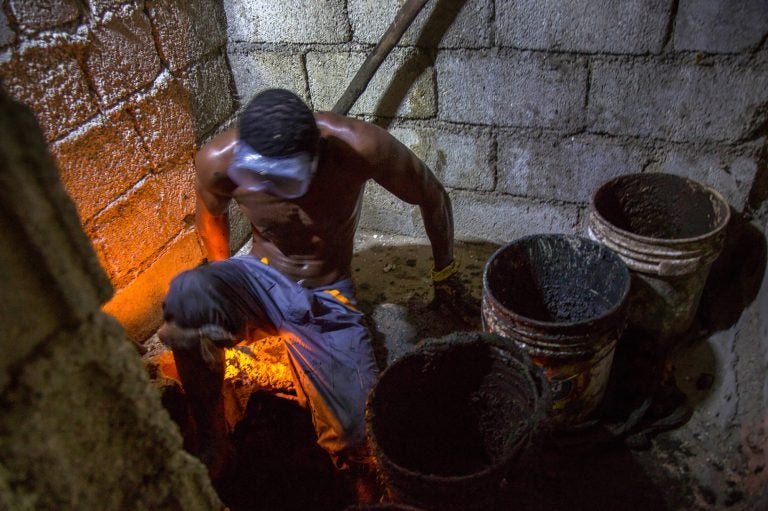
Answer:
(82, 427)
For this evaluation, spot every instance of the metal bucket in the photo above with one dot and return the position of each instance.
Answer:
(561, 299)
(447, 421)
(668, 230)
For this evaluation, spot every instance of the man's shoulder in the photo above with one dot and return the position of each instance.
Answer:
(359, 135)
(220, 142)
(213, 158)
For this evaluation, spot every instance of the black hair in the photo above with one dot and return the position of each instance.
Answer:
(276, 122)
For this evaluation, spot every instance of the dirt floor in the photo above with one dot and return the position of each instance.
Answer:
(280, 467)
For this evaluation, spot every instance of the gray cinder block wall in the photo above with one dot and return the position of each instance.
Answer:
(523, 108)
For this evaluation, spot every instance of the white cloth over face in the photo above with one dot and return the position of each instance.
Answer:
(329, 347)
(286, 176)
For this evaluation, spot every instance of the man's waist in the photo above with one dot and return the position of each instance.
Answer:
(308, 272)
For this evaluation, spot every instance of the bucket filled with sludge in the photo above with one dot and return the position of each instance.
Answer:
(669, 230)
(561, 299)
(447, 421)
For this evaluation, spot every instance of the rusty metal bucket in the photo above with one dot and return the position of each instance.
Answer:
(447, 421)
(669, 230)
(563, 300)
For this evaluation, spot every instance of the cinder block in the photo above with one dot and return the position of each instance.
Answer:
(565, 169)
(511, 89)
(49, 80)
(165, 123)
(131, 230)
(384, 212)
(439, 24)
(186, 30)
(588, 26)
(731, 175)
(240, 230)
(403, 86)
(682, 103)
(477, 217)
(43, 14)
(7, 34)
(254, 72)
(121, 58)
(720, 26)
(99, 163)
(100, 8)
(459, 160)
(138, 306)
(289, 21)
(209, 84)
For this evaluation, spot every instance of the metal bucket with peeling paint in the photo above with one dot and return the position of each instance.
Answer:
(562, 299)
(669, 230)
(447, 421)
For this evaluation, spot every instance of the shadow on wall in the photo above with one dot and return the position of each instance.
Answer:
(733, 284)
(441, 18)
(735, 278)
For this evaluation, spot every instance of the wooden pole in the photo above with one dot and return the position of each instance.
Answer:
(400, 24)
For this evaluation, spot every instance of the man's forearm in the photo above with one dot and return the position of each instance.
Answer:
(214, 233)
(438, 223)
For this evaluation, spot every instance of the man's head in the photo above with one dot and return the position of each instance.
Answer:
(277, 123)
(279, 145)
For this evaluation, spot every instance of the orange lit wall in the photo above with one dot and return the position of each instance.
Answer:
(124, 92)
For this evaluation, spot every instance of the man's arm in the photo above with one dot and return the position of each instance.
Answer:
(403, 174)
(213, 229)
(412, 181)
(437, 215)
(214, 193)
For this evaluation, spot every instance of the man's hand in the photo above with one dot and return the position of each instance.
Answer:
(451, 297)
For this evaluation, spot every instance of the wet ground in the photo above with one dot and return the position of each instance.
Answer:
(280, 467)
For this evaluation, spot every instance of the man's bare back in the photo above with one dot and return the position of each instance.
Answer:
(310, 238)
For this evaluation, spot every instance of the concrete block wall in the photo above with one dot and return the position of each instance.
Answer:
(124, 91)
(82, 425)
(524, 108)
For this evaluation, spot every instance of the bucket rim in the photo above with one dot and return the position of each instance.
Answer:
(538, 415)
(671, 242)
(561, 325)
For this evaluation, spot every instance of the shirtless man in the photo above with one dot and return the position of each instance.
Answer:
(299, 178)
